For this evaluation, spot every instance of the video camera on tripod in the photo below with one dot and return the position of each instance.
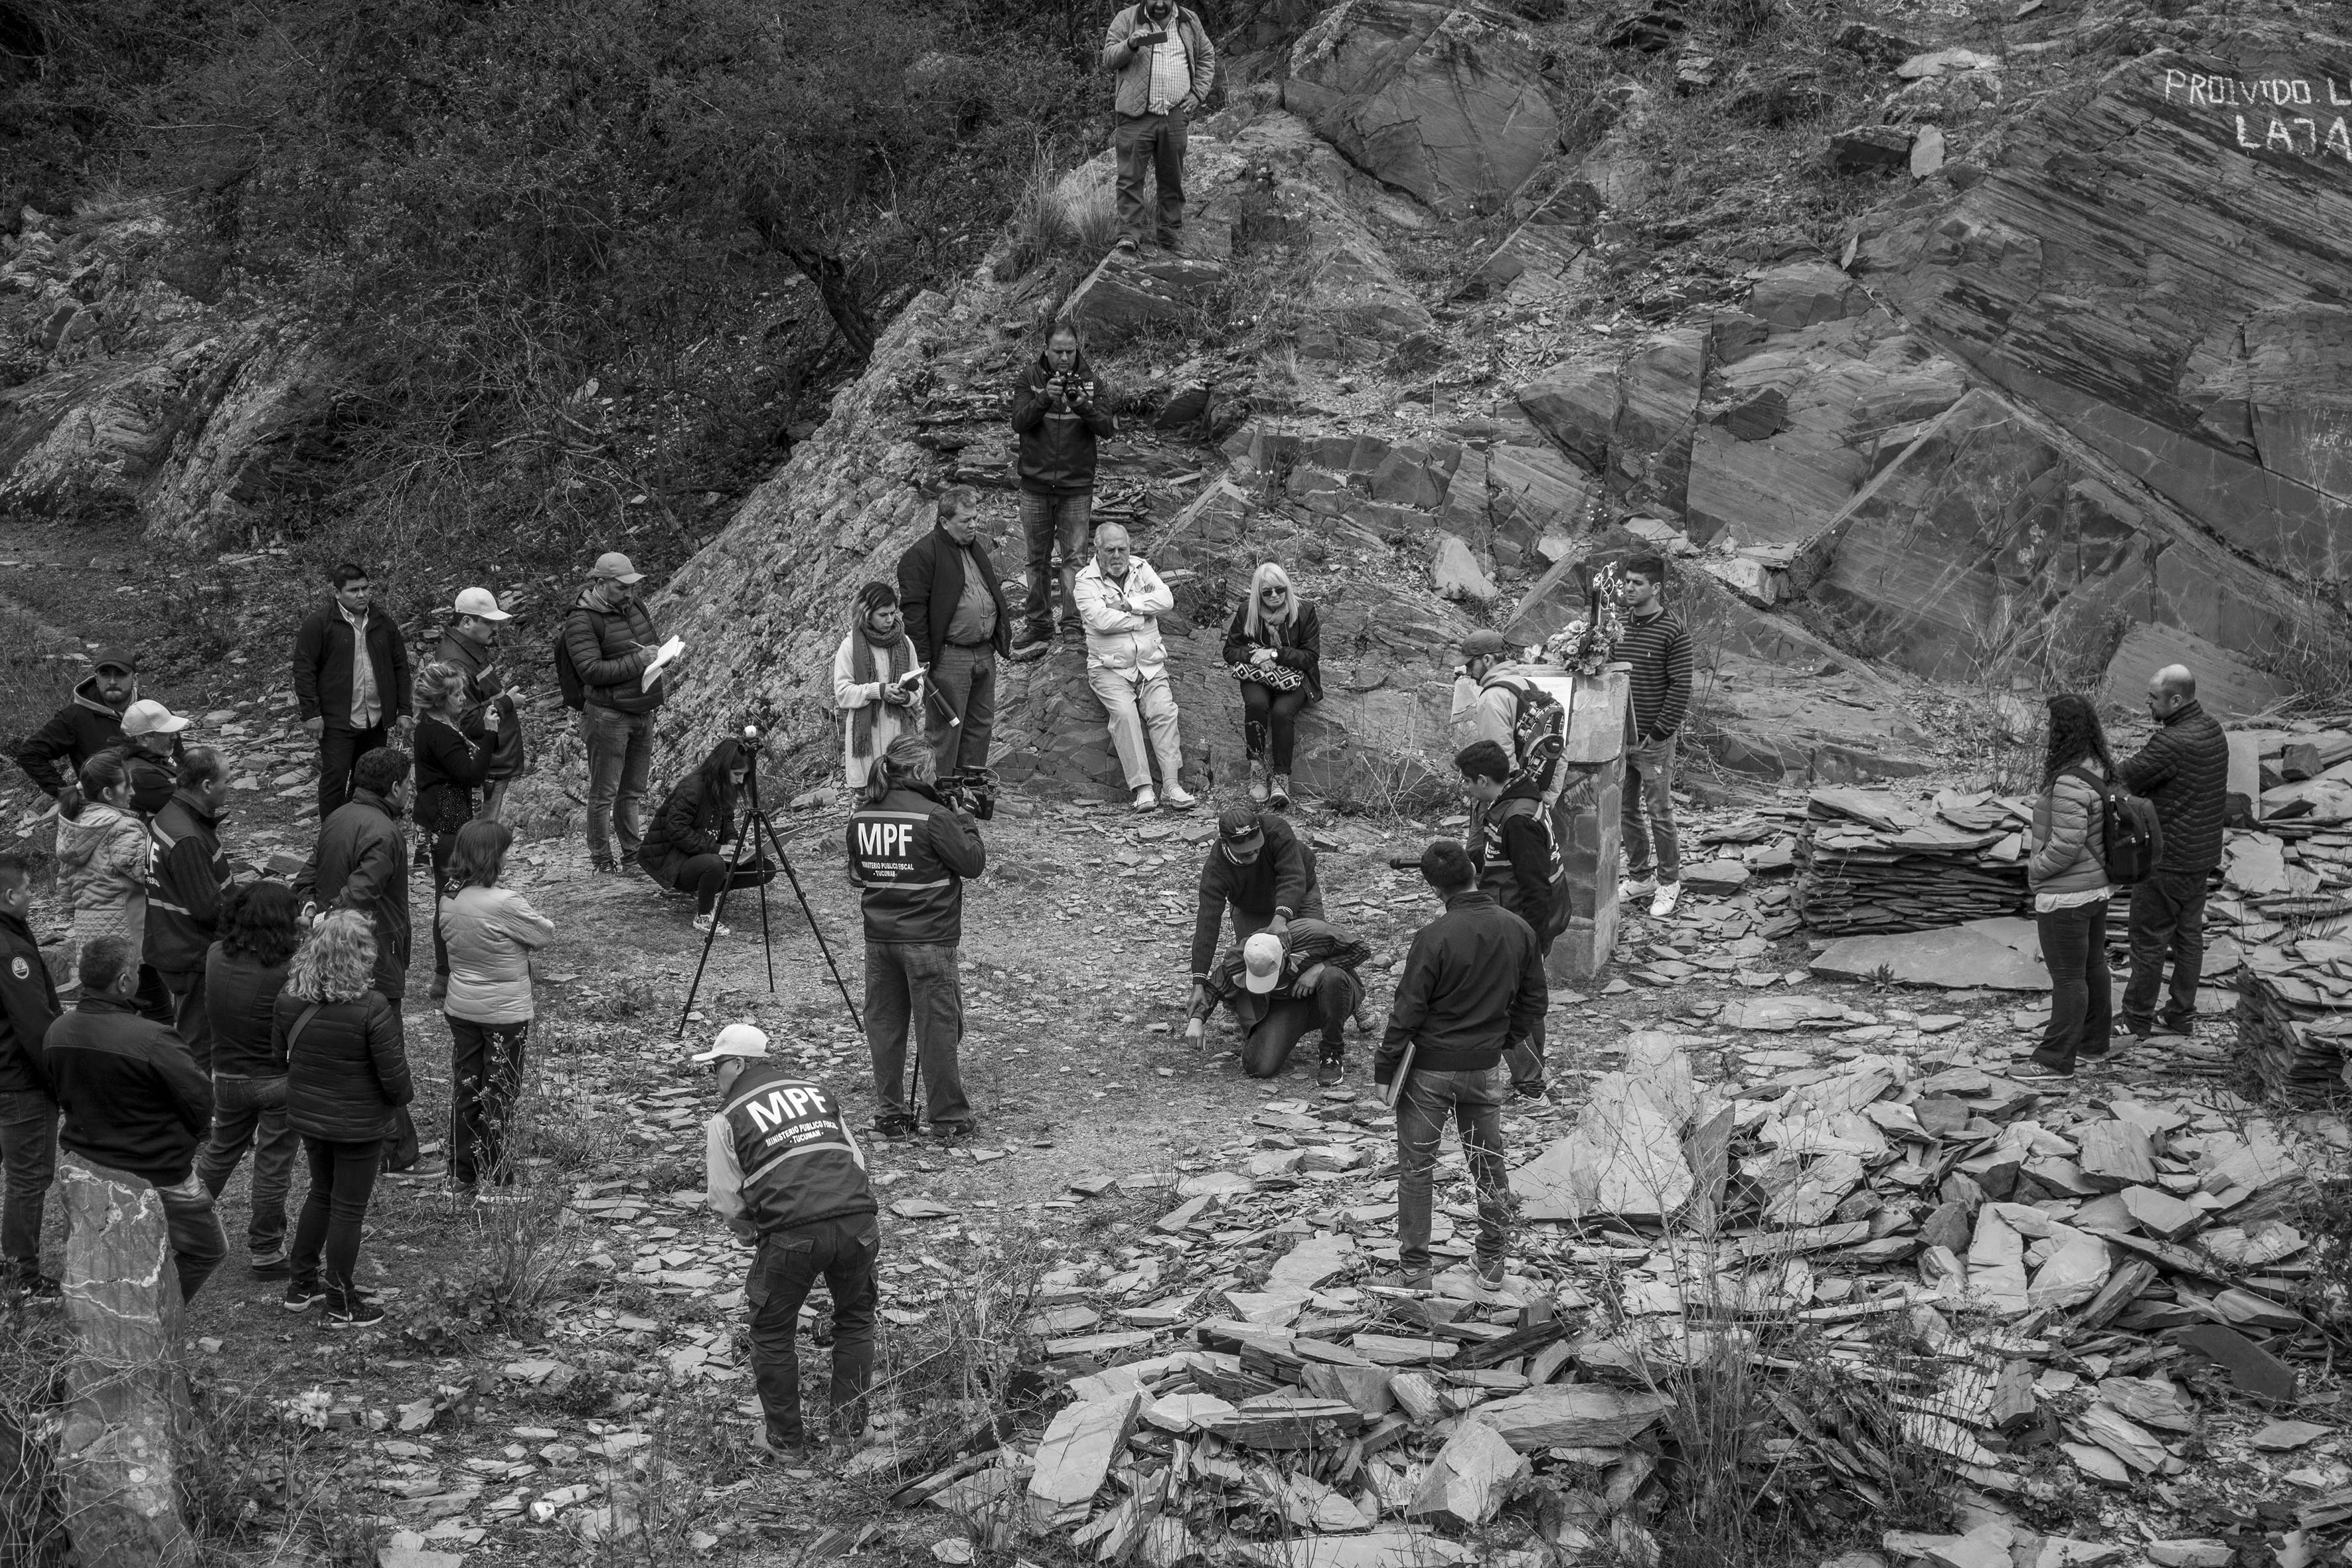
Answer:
(972, 790)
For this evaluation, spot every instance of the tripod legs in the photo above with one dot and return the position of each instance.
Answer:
(718, 917)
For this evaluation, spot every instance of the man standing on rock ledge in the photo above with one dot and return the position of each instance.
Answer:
(1165, 66)
(1659, 651)
(953, 604)
(2184, 770)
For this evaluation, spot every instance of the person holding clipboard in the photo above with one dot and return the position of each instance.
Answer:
(1461, 1032)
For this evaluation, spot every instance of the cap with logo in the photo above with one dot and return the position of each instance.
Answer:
(149, 717)
(613, 567)
(1261, 962)
(735, 1040)
(481, 602)
(121, 658)
(1484, 643)
(1238, 824)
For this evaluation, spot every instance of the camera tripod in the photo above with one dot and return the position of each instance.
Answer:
(754, 826)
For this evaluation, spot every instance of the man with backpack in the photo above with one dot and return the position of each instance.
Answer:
(1514, 847)
(2184, 770)
(608, 641)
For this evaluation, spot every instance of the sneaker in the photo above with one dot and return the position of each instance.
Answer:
(272, 1265)
(599, 866)
(352, 1311)
(1145, 800)
(1257, 781)
(2036, 1066)
(422, 1173)
(2092, 1050)
(1487, 1284)
(2163, 1031)
(1663, 903)
(894, 1127)
(1034, 642)
(792, 1456)
(1636, 886)
(1332, 1069)
(1403, 1279)
(302, 1295)
(950, 1131)
(1278, 791)
(32, 1285)
(1176, 798)
(703, 923)
(1127, 246)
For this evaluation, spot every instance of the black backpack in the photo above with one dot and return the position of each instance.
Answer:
(1554, 863)
(567, 674)
(2131, 838)
(1539, 737)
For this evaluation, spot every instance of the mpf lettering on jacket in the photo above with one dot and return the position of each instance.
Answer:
(895, 840)
(783, 1105)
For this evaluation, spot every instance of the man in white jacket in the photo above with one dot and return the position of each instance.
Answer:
(1120, 599)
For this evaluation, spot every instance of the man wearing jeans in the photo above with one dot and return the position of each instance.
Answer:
(1659, 650)
(953, 604)
(1059, 409)
(1164, 64)
(2184, 770)
(28, 1115)
(610, 639)
(910, 853)
(1120, 599)
(133, 1104)
(782, 1169)
(350, 680)
(1472, 995)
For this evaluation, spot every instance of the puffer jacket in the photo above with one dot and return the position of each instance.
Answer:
(346, 1070)
(2184, 770)
(1122, 622)
(611, 648)
(1298, 642)
(691, 821)
(104, 856)
(2066, 823)
(1058, 436)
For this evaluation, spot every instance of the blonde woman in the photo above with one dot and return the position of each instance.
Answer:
(346, 1081)
(869, 684)
(105, 859)
(1274, 647)
(456, 742)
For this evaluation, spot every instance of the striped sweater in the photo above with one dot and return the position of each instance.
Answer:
(1659, 652)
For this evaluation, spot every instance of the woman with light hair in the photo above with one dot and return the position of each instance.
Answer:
(870, 681)
(105, 861)
(346, 1078)
(455, 745)
(1274, 647)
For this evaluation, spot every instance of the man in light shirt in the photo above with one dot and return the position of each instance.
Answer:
(1120, 599)
(350, 680)
(1165, 66)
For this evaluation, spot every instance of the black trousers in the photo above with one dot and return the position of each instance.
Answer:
(1270, 1041)
(2074, 948)
(788, 1264)
(2168, 921)
(1265, 710)
(485, 1078)
(339, 746)
(327, 1237)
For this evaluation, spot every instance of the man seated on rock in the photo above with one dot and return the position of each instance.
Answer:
(1265, 873)
(135, 1104)
(1120, 600)
(1279, 989)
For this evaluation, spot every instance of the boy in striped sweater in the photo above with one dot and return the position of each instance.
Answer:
(1659, 650)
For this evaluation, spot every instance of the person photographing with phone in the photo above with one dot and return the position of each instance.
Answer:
(1060, 408)
(877, 681)
(1165, 66)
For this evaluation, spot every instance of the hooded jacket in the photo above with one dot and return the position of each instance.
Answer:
(361, 862)
(1298, 642)
(323, 651)
(1132, 67)
(53, 754)
(610, 649)
(29, 1005)
(1057, 438)
(184, 888)
(103, 856)
(1122, 620)
(909, 857)
(692, 821)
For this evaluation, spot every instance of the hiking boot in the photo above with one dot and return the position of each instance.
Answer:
(1175, 798)
(1662, 901)
(1277, 792)
(704, 923)
(1332, 1068)
(302, 1295)
(1640, 885)
(349, 1310)
(1257, 777)
(272, 1265)
(893, 1129)
(599, 866)
(1127, 246)
(1145, 800)
(952, 1131)
(1034, 642)
(2164, 1030)
(1365, 1020)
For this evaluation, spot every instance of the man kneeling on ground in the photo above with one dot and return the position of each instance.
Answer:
(1280, 992)
(784, 1174)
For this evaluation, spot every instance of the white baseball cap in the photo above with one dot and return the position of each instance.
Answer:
(480, 601)
(1261, 962)
(149, 717)
(735, 1040)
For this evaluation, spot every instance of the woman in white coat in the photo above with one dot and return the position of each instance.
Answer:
(869, 681)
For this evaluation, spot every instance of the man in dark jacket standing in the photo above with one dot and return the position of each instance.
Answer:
(781, 1170)
(954, 606)
(53, 754)
(361, 862)
(910, 855)
(2184, 770)
(183, 891)
(350, 680)
(610, 639)
(1059, 410)
(1659, 650)
(134, 1103)
(28, 1114)
(469, 645)
(1165, 66)
(1264, 872)
(1472, 995)
(1512, 848)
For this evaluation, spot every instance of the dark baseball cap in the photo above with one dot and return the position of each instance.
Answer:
(1237, 826)
(121, 658)
(1484, 643)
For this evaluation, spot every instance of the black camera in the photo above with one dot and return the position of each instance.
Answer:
(1404, 862)
(972, 790)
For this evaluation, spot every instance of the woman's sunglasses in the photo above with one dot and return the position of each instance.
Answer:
(1274, 593)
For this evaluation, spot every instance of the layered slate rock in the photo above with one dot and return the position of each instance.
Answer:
(1445, 102)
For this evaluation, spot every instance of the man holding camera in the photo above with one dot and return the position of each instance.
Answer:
(954, 606)
(1165, 66)
(909, 852)
(1058, 411)
(470, 644)
(1472, 995)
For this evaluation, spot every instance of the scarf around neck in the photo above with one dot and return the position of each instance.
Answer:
(872, 658)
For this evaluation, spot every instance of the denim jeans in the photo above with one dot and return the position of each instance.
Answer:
(1474, 1102)
(620, 749)
(1649, 812)
(1150, 145)
(342, 1178)
(1046, 521)
(964, 678)
(189, 1019)
(2074, 949)
(915, 986)
(789, 1262)
(193, 1229)
(28, 1156)
(339, 748)
(2168, 921)
(484, 1077)
(252, 1111)
(1271, 1039)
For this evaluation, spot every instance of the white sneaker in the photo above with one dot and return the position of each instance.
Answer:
(1663, 904)
(1145, 800)
(1636, 886)
(702, 923)
(1178, 800)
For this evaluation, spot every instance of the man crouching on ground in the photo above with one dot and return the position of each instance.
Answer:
(1471, 993)
(785, 1174)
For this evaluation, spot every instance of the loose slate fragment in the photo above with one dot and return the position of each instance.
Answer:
(1470, 1478)
(2151, 1401)
(2160, 1214)
(2072, 1275)
(2280, 1437)
(2114, 1155)
(2113, 1430)
(2122, 1289)
(1078, 1448)
(1997, 1266)
(1956, 958)
(1572, 1415)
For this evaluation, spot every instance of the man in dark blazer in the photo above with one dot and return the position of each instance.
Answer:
(349, 704)
(954, 605)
